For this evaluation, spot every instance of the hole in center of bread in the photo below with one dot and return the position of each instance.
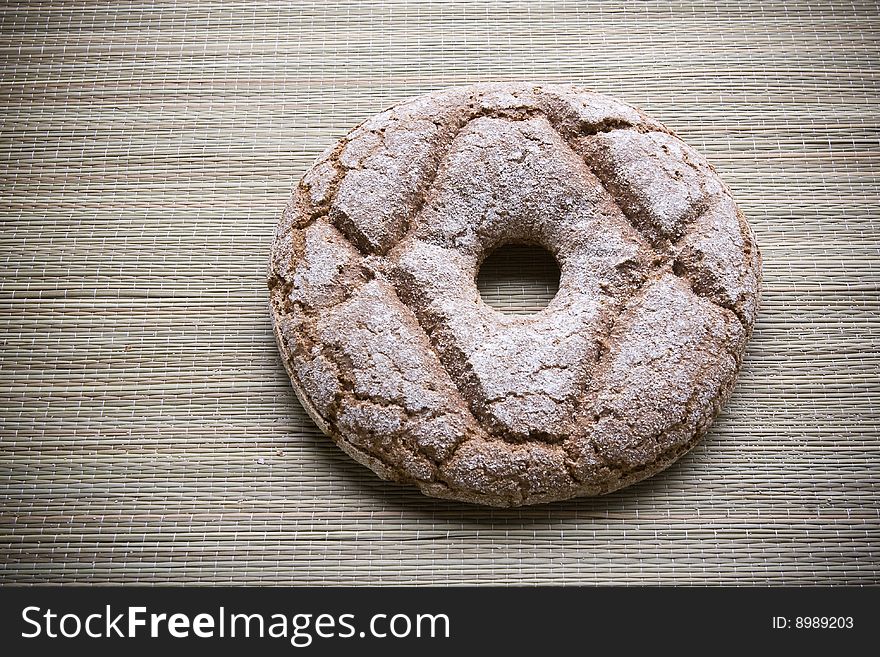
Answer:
(518, 279)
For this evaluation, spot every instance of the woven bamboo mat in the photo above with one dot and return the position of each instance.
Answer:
(149, 434)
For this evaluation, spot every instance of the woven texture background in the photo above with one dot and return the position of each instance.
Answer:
(149, 434)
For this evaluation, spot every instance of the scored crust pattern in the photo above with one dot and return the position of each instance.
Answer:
(392, 353)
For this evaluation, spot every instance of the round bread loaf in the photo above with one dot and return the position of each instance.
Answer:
(394, 355)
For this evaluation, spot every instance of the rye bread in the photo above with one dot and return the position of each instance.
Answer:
(396, 358)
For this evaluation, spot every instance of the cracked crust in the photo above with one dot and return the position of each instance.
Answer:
(394, 355)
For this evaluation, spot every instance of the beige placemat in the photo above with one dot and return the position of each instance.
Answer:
(149, 434)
